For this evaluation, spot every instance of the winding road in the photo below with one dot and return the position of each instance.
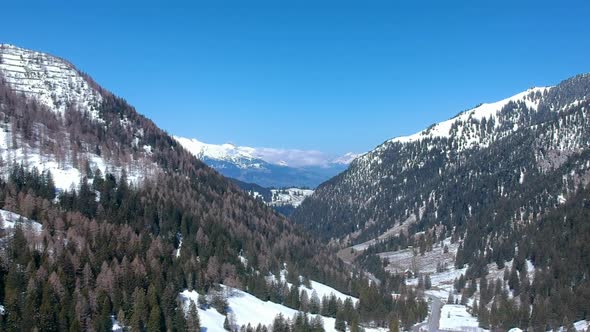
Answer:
(433, 318)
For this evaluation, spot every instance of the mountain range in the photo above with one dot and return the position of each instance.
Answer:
(269, 167)
(109, 221)
(106, 221)
(499, 188)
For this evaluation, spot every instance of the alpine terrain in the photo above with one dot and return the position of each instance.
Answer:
(108, 223)
(268, 167)
(488, 211)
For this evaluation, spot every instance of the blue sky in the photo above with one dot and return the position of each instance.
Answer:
(334, 76)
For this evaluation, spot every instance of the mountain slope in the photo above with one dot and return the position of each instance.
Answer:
(57, 119)
(283, 200)
(485, 181)
(455, 169)
(114, 194)
(272, 168)
(129, 218)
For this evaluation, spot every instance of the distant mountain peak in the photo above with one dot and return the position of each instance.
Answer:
(269, 167)
(346, 158)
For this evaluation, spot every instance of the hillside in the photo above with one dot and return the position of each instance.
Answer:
(483, 180)
(129, 219)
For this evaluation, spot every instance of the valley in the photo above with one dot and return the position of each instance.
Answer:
(108, 222)
(118, 225)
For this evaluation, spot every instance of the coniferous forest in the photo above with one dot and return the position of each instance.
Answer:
(109, 223)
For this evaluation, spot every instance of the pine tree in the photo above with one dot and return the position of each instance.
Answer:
(314, 303)
(394, 325)
(226, 325)
(427, 282)
(155, 319)
(340, 324)
(47, 314)
(192, 319)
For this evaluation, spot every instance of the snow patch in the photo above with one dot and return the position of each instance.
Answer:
(454, 317)
(11, 219)
(53, 82)
(289, 196)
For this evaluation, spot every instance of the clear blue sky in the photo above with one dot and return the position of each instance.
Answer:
(335, 76)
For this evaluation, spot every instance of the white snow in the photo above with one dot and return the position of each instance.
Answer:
(10, 220)
(65, 176)
(53, 82)
(177, 253)
(443, 129)
(117, 326)
(209, 318)
(246, 309)
(321, 289)
(454, 317)
(289, 196)
(581, 325)
(250, 157)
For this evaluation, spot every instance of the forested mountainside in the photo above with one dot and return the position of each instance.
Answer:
(495, 165)
(127, 219)
(283, 200)
(497, 179)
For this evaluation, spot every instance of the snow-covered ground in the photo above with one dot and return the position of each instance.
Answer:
(443, 129)
(455, 317)
(289, 196)
(65, 175)
(323, 290)
(393, 231)
(247, 309)
(320, 289)
(410, 259)
(52, 81)
(10, 219)
(55, 83)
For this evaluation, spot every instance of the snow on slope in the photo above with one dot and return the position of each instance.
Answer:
(65, 175)
(454, 317)
(241, 156)
(321, 289)
(247, 157)
(53, 82)
(289, 196)
(247, 310)
(10, 219)
(443, 129)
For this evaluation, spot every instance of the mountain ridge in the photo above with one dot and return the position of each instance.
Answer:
(268, 167)
(450, 141)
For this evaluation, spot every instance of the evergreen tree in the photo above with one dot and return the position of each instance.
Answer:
(155, 319)
(192, 319)
(226, 324)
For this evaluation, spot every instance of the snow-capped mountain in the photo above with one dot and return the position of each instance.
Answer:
(501, 187)
(269, 167)
(51, 81)
(459, 168)
(128, 189)
(37, 82)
